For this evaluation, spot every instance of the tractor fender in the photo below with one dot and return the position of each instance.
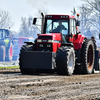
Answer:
(78, 41)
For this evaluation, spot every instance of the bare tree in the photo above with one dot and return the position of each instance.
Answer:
(27, 29)
(92, 9)
(5, 19)
(85, 18)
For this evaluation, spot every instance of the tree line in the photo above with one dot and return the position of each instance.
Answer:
(89, 18)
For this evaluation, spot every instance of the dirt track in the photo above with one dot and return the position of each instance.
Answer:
(15, 86)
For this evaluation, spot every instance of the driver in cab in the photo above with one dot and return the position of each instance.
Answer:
(59, 28)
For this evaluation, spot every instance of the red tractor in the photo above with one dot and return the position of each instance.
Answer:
(60, 47)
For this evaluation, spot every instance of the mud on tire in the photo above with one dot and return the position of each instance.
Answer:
(65, 60)
(88, 56)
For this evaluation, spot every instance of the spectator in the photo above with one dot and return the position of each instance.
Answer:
(59, 28)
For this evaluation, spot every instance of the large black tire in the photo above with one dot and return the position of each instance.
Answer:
(88, 57)
(25, 48)
(65, 60)
(2, 53)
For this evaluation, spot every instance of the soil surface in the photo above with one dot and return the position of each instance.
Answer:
(48, 86)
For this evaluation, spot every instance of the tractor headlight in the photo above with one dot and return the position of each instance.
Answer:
(50, 41)
(48, 45)
(41, 45)
(39, 40)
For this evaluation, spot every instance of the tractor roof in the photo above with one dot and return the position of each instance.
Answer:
(58, 17)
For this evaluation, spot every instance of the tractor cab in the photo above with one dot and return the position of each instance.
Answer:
(5, 45)
(4, 33)
(63, 24)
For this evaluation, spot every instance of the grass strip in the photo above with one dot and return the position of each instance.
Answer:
(10, 67)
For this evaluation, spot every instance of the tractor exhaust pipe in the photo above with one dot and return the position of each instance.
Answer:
(42, 25)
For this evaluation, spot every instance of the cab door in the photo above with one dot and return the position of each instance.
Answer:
(72, 29)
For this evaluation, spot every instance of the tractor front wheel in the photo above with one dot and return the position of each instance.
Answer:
(65, 60)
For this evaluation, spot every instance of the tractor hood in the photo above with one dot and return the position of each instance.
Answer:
(51, 36)
(49, 42)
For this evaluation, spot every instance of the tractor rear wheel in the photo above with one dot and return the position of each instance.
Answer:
(25, 48)
(2, 53)
(65, 60)
(88, 56)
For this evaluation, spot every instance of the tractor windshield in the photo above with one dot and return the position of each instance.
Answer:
(56, 26)
(2, 34)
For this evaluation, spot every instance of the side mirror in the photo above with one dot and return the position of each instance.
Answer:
(34, 21)
(77, 23)
(99, 36)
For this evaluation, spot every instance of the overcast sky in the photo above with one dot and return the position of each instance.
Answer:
(25, 8)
